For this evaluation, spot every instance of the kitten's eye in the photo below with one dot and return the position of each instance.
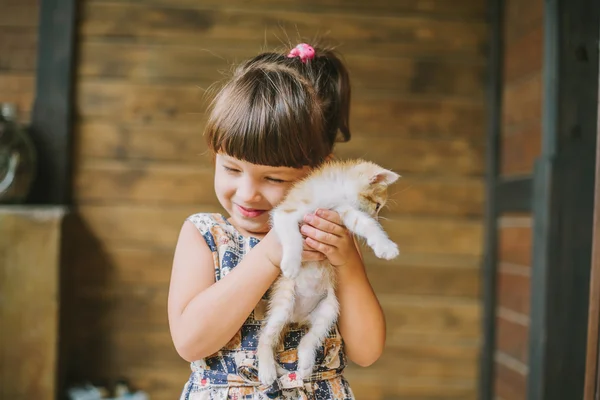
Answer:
(377, 207)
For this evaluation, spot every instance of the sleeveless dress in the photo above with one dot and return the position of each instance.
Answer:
(232, 372)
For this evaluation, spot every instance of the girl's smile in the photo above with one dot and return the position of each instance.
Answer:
(249, 191)
(250, 212)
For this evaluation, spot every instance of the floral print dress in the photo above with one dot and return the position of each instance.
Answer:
(231, 373)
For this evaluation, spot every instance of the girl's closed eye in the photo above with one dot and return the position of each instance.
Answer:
(231, 170)
(275, 180)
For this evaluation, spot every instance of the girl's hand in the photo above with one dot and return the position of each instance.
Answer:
(325, 232)
(274, 251)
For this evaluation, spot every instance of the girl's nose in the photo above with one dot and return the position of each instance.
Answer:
(248, 191)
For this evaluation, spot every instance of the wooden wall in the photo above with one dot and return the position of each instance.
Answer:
(521, 138)
(140, 169)
(18, 53)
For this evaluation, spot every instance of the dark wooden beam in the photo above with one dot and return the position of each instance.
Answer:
(52, 116)
(563, 201)
(494, 111)
(514, 195)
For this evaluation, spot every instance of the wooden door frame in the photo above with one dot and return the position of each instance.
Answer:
(561, 199)
(592, 373)
(564, 201)
(502, 196)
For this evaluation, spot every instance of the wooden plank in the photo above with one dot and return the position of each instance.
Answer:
(523, 57)
(428, 316)
(515, 241)
(123, 349)
(128, 225)
(439, 157)
(19, 48)
(522, 103)
(218, 28)
(18, 89)
(514, 292)
(143, 308)
(141, 103)
(394, 116)
(522, 17)
(20, 14)
(431, 347)
(383, 116)
(121, 268)
(166, 383)
(441, 281)
(435, 235)
(512, 338)
(520, 149)
(156, 63)
(181, 142)
(185, 143)
(420, 195)
(107, 183)
(509, 384)
(370, 384)
(418, 76)
(118, 267)
(459, 8)
(434, 368)
(154, 183)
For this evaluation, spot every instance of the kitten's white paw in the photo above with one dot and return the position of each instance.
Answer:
(290, 267)
(305, 367)
(267, 368)
(386, 250)
(306, 359)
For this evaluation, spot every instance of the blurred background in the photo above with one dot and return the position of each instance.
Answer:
(138, 167)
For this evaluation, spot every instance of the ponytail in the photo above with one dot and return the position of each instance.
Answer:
(330, 78)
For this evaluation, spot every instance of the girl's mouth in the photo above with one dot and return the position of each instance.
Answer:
(249, 212)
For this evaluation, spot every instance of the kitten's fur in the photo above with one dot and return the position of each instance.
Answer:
(305, 292)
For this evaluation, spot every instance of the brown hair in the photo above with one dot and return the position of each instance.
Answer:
(280, 111)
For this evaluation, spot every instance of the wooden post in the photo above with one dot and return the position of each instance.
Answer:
(52, 117)
(592, 376)
(494, 106)
(563, 201)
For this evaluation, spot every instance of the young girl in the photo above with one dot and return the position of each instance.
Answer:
(277, 118)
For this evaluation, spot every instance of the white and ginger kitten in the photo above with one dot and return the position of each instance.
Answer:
(305, 291)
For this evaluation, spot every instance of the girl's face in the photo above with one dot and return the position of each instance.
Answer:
(249, 191)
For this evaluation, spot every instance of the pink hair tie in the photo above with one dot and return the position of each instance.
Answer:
(304, 51)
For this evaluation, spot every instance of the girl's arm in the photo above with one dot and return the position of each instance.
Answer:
(361, 321)
(204, 315)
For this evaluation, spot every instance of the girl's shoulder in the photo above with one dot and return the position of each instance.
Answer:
(205, 221)
(212, 226)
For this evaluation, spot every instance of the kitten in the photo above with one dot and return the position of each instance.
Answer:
(305, 292)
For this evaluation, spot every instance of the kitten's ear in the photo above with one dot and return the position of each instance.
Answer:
(385, 177)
